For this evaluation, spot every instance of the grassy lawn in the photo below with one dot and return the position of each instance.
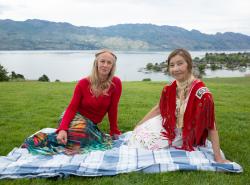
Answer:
(26, 107)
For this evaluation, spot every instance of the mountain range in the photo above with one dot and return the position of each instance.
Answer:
(34, 34)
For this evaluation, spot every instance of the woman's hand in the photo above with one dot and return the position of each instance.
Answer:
(62, 137)
(115, 137)
(216, 146)
(221, 160)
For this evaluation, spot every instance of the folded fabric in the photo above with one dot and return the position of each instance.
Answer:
(19, 163)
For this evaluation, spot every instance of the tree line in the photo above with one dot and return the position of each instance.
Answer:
(13, 76)
(214, 61)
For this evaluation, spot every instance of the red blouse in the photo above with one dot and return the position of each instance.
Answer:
(94, 108)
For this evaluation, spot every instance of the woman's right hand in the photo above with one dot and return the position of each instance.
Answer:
(62, 137)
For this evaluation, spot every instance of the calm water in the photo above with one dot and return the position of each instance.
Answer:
(73, 65)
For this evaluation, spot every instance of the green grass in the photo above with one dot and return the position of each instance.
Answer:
(26, 107)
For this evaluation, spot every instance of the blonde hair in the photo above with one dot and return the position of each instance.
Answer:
(95, 82)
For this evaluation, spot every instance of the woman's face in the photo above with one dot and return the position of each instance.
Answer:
(105, 63)
(178, 68)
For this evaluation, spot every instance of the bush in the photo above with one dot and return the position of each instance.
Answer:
(3, 74)
(44, 78)
(146, 79)
(18, 77)
(201, 68)
(149, 66)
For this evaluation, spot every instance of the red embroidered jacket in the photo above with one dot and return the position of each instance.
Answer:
(198, 116)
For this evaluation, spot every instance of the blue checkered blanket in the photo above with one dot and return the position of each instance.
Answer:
(19, 163)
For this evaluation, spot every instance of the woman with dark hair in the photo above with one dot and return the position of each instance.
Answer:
(93, 97)
(184, 117)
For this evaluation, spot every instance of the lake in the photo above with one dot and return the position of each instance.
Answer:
(73, 65)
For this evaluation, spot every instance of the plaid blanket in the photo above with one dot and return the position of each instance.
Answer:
(120, 159)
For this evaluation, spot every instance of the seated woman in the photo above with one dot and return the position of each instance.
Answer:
(184, 117)
(94, 96)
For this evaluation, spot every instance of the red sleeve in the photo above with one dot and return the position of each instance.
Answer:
(204, 117)
(71, 109)
(209, 111)
(113, 109)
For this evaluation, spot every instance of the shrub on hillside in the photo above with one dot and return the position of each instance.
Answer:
(16, 77)
(3, 74)
(146, 79)
(44, 78)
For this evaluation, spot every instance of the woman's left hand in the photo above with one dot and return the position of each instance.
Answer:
(221, 160)
(115, 137)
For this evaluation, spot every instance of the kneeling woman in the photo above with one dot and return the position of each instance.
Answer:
(94, 96)
(184, 116)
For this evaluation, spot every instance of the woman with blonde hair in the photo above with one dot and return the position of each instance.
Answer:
(93, 97)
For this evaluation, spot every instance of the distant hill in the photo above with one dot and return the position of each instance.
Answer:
(45, 35)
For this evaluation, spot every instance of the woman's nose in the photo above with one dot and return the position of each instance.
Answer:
(105, 64)
(175, 67)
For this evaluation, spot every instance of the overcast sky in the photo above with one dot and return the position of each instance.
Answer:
(207, 16)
